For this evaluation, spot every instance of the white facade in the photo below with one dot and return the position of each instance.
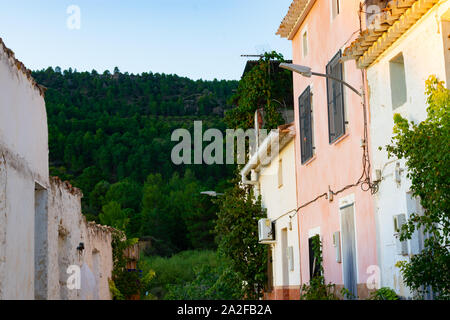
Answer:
(274, 179)
(41, 224)
(421, 51)
(279, 199)
(23, 164)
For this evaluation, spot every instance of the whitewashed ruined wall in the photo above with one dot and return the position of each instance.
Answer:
(24, 161)
(41, 224)
(68, 228)
(279, 200)
(23, 117)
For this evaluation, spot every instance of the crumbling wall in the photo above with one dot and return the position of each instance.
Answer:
(67, 230)
(41, 224)
(23, 116)
(99, 256)
(23, 162)
(17, 215)
(2, 223)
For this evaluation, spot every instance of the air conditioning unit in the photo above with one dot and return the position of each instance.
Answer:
(266, 231)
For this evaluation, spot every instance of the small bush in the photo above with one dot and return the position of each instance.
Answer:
(384, 294)
(318, 290)
(179, 269)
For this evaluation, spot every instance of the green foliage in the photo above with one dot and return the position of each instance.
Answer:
(123, 284)
(347, 294)
(426, 148)
(108, 132)
(115, 293)
(178, 270)
(113, 215)
(317, 289)
(237, 236)
(210, 283)
(384, 294)
(316, 244)
(265, 86)
(176, 214)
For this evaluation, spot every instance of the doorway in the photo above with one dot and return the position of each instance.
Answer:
(349, 265)
(40, 242)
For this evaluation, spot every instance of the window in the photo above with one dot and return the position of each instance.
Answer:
(335, 8)
(402, 246)
(335, 91)
(398, 81)
(290, 255)
(280, 173)
(305, 43)
(306, 136)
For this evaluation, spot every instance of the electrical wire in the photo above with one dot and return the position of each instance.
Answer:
(365, 181)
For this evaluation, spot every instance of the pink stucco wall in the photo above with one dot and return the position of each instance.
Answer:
(339, 164)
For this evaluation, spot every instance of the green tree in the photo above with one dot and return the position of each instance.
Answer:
(237, 235)
(127, 193)
(113, 215)
(426, 148)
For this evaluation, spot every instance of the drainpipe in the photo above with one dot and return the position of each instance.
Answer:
(254, 161)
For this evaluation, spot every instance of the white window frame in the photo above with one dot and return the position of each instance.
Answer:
(305, 31)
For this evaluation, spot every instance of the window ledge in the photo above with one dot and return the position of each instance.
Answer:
(340, 139)
(307, 163)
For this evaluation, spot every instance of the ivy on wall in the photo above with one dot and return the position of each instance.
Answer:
(266, 86)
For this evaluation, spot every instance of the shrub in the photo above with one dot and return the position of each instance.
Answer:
(177, 270)
(384, 294)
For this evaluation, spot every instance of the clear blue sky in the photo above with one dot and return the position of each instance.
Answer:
(193, 38)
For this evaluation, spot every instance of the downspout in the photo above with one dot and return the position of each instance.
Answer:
(254, 161)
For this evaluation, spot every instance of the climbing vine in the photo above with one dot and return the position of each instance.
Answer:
(317, 289)
(265, 86)
(124, 283)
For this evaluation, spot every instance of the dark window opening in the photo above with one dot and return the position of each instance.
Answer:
(335, 92)
(314, 260)
(306, 133)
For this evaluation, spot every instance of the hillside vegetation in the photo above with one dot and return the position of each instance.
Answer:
(110, 135)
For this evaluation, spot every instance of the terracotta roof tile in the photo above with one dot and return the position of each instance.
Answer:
(385, 29)
(297, 11)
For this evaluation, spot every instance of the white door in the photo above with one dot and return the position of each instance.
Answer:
(349, 249)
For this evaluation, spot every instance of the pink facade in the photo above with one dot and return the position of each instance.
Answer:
(337, 164)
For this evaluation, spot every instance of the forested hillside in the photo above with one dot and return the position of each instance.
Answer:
(109, 134)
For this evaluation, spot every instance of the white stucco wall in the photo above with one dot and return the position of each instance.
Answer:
(24, 161)
(278, 201)
(41, 223)
(23, 117)
(423, 51)
(67, 228)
